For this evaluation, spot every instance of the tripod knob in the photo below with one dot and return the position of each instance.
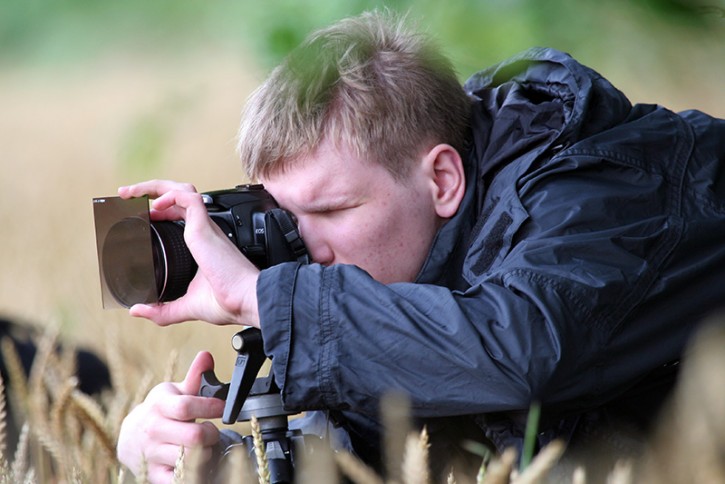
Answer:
(250, 357)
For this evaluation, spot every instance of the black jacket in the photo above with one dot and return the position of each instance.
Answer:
(590, 244)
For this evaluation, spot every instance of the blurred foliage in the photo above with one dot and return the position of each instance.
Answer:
(474, 32)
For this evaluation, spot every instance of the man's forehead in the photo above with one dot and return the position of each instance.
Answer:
(309, 184)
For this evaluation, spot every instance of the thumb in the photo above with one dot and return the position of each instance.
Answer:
(203, 361)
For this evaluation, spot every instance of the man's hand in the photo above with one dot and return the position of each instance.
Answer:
(224, 290)
(155, 430)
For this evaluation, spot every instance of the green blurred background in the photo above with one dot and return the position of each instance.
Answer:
(95, 94)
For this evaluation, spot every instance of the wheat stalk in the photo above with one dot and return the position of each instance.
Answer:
(116, 366)
(68, 362)
(499, 470)
(317, 463)
(542, 463)
(237, 467)
(395, 411)
(121, 476)
(621, 473)
(143, 388)
(143, 472)
(355, 470)
(171, 364)
(415, 462)
(117, 407)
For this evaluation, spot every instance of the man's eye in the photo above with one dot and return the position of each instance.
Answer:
(334, 211)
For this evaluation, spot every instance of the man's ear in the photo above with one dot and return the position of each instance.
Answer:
(444, 168)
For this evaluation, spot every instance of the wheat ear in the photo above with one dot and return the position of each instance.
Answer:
(16, 376)
(91, 415)
(259, 452)
(61, 405)
(3, 423)
(38, 391)
(179, 467)
(22, 452)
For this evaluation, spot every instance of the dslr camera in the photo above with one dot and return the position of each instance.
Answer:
(141, 261)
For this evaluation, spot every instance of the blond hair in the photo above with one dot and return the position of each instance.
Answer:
(385, 92)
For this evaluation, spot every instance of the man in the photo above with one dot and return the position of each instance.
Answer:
(528, 237)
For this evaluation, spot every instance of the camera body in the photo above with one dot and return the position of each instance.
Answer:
(144, 262)
(252, 220)
(249, 216)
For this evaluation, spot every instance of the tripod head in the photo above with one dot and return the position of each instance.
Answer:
(248, 396)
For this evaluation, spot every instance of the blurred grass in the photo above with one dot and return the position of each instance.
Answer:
(476, 32)
(97, 94)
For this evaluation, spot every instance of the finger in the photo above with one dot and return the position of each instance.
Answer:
(153, 188)
(162, 455)
(190, 206)
(171, 213)
(203, 361)
(161, 314)
(188, 434)
(160, 474)
(176, 204)
(163, 462)
(190, 407)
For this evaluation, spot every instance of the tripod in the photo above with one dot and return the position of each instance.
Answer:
(248, 396)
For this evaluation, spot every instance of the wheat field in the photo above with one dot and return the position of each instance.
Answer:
(69, 133)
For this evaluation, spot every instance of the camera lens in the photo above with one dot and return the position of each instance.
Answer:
(174, 267)
(132, 275)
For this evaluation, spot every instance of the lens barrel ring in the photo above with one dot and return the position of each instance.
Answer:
(174, 263)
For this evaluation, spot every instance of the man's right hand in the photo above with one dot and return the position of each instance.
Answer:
(156, 429)
(224, 289)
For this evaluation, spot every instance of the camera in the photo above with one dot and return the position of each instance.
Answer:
(142, 261)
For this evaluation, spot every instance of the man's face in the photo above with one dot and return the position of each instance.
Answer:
(353, 212)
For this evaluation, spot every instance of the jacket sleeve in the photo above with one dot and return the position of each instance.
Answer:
(339, 340)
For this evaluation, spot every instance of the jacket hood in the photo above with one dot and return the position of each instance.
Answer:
(537, 100)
